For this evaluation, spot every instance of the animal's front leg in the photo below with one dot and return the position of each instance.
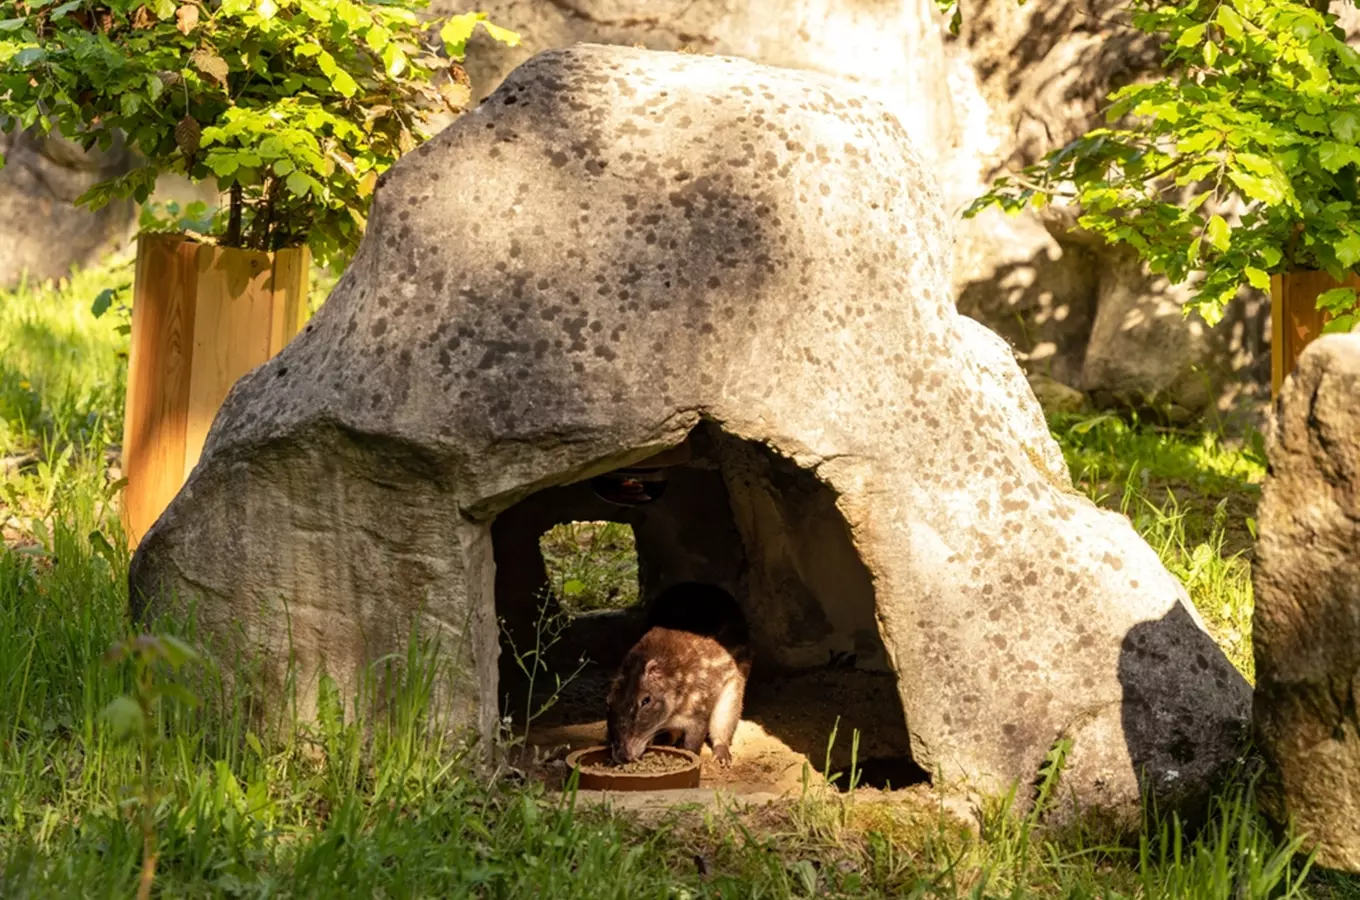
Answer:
(668, 737)
(694, 736)
(722, 723)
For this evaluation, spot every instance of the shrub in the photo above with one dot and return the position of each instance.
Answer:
(1259, 104)
(293, 107)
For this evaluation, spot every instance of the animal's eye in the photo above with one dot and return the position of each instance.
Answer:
(644, 701)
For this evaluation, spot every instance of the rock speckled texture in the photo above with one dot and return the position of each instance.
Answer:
(618, 247)
(1306, 627)
(1017, 81)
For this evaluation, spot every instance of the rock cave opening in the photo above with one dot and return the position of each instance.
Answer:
(578, 570)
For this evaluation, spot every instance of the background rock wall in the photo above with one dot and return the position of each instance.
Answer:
(1016, 82)
(43, 234)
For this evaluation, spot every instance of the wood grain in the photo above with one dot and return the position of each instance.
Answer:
(289, 288)
(231, 334)
(1295, 319)
(202, 317)
(159, 361)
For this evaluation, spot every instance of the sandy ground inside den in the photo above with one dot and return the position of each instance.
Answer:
(787, 723)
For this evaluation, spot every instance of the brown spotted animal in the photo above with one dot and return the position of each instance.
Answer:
(685, 677)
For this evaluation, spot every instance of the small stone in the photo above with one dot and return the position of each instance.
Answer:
(1054, 396)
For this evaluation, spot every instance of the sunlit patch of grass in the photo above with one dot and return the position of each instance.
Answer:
(1192, 497)
(62, 370)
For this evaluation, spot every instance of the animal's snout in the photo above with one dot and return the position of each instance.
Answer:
(627, 751)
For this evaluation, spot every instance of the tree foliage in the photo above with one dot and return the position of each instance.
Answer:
(293, 107)
(1259, 103)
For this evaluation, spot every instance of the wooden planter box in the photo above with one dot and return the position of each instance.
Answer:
(1295, 319)
(202, 316)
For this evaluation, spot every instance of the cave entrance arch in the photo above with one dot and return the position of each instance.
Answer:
(736, 514)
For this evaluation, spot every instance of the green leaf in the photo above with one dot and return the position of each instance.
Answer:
(1255, 163)
(102, 302)
(1218, 233)
(378, 37)
(394, 60)
(1272, 256)
(1334, 157)
(1169, 110)
(12, 24)
(456, 32)
(1211, 310)
(1210, 53)
(299, 183)
(165, 9)
(503, 35)
(343, 82)
(223, 165)
(1348, 249)
(267, 9)
(27, 57)
(101, 546)
(1266, 190)
(1199, 142)
(1339, 324)
(1258, 278)
(1192, 254)
(1230, 22)
(1311, 123)
(124, 716)
(1337, 301)
(573, 588)
(1192, 35)
(1346, 126)
(176, 652)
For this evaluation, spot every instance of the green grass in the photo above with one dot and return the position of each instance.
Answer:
(591, 565)
(365, 806)
(1193, 498)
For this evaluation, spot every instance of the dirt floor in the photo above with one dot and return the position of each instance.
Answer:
(786, 725)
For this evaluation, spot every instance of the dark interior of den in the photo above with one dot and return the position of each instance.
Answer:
(577, 565)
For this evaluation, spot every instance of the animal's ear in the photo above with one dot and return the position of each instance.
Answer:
(652, 669)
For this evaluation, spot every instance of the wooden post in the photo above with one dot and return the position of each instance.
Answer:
(202, 316)
(1295, 319)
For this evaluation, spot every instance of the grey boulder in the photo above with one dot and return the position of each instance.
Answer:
(1306, 626)
(624, 251)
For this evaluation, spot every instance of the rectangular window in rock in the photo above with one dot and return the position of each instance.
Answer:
(591, 566)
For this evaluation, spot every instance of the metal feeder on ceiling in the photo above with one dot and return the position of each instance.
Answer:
(641, 482)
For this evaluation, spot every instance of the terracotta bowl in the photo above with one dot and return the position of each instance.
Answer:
(687, 777)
